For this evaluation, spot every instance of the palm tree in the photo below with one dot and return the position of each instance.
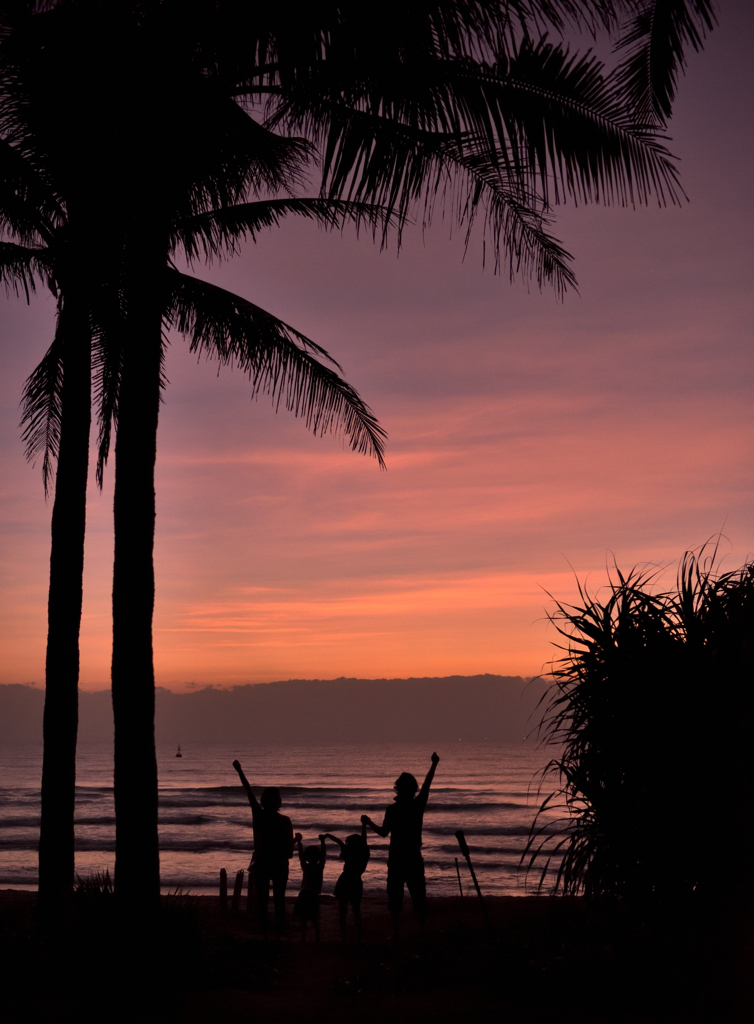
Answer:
(33, 215)
(454, 97)
(57, 417)
(277, 359)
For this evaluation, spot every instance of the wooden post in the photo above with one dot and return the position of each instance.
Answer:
(250, 893)
(458, 872)
(465, 851)
(237, 887)
(223, 890)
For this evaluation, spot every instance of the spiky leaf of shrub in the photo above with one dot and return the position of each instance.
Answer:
(650, 711)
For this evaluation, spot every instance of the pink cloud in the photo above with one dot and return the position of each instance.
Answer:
(526, 437)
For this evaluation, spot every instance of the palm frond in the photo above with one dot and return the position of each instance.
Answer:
(570, 120)
(22, 267)
(514, 221)
(238, 156)
(555, 123)
(278, 50)
(278, 360)
(656, 43)
(223, 229)
(41, 409)
(108, 322)
(29, 208)
(396, 168)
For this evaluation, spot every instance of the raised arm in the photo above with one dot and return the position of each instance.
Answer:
(381, 830)
(424, 791)
(245, 783)
(329, 835)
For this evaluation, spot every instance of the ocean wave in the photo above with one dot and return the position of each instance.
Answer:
(293, 790)
(477, 831)
(476, 850)
(205, 827)
(474, 805)
(28, 844)
(21, 799)
(170, 828)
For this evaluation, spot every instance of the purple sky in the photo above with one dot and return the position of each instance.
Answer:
(529, 439)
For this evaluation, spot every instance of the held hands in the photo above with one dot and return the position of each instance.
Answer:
(365, 819)
(435, 759)
(298, 837)
(322, 838)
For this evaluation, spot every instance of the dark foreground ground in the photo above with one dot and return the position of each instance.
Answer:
(543, 960)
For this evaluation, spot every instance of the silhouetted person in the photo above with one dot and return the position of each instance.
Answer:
(349, 888)
(273, 847)
(312, 860)
(403, 823)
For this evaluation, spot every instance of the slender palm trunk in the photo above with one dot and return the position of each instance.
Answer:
(137, 868)
(56, 852)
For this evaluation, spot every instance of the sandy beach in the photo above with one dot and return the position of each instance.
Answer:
(542, 959)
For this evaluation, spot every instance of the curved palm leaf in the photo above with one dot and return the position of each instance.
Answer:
(223, 228)
(41, 405)
(238, 156)
(556, 123)
(29, 208)
(403, 164)
(22, 267)
(514, 220)
(656, 43)
(569, 119)
(20, 270)
(268, 46)
(107, 365)
(278, 360)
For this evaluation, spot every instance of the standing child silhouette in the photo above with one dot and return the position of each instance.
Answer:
(403, 823)
(349, 888)
(273, 847)
(312, 860)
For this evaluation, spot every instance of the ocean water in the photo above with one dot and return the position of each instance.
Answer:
(490, 790)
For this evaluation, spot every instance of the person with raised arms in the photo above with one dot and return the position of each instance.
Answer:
(354, 853)
(273, 848)
(403, 823)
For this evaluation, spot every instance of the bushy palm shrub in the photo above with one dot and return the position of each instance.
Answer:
(650, 710)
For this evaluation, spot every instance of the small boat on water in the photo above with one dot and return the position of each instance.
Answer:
(178, 752)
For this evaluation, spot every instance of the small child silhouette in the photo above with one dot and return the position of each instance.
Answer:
(354, 853)
(312, 860)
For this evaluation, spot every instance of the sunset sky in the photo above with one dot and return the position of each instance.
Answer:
(530, 440)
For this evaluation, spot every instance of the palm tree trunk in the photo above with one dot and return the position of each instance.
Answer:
(56, 849)
(137, 867)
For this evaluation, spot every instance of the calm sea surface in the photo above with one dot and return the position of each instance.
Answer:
(489, 790)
